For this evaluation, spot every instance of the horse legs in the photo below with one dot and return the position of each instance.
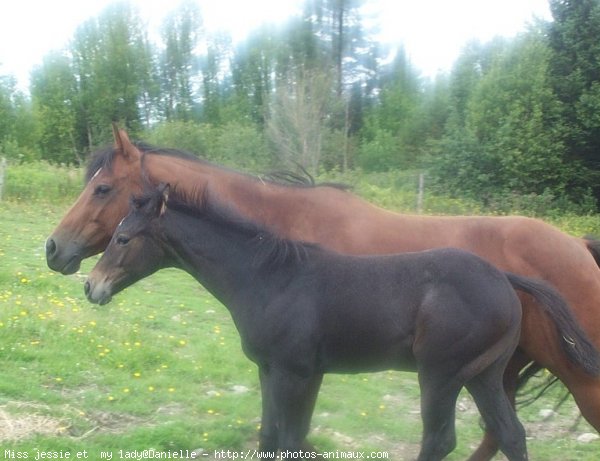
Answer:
(498, 412)
(438, 406)
(489, 446)
(288, 404)
(267, 441)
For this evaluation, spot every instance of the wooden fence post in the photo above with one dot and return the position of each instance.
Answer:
(420, 193)
(2, 170)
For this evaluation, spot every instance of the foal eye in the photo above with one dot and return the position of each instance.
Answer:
(122, 240)
(102, 189)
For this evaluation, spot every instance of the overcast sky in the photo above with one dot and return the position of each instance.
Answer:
(432, 31)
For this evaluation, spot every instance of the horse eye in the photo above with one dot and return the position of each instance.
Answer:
(102, 189)
(122, 240)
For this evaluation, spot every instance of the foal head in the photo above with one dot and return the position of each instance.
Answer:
(135, 250)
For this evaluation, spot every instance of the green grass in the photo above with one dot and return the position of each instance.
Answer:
(161, 367)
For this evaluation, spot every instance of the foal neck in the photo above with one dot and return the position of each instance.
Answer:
(234, 261)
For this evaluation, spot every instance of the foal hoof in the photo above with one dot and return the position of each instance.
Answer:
(308, 447)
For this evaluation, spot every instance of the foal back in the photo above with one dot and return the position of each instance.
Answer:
(403, 309)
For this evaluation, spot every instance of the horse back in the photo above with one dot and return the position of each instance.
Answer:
(392, 306)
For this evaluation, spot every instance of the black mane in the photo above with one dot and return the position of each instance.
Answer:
(272, 250)
(103, 158)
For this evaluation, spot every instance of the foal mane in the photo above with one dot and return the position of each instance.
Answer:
(103, 158)
(271, 251)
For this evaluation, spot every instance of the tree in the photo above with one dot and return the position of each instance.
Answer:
(390, 136)
(111, 63)
(7, 116)
(336, 24)
(253, 67)
(511, 141)
(575, 75)
(18, 134)
(297, 119)
(181, 33)
(54, 95)
(211, 64)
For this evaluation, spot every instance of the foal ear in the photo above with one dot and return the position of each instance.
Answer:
(123, 145)
(164, 189)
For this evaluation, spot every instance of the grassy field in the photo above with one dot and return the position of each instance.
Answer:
(161, 368)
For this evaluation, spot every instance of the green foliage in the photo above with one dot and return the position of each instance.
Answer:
(377, 154)
(392, 135)
(180, 34)
(509, 150)
(53, 88)
(234, 143)
(515, 124)
(574, 74)
(18, 135)
(41, 180)
(112, 65)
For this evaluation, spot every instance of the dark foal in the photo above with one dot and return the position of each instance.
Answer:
(303, 311)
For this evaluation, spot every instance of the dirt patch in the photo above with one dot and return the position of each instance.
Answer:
(108, 422)
(19, 420)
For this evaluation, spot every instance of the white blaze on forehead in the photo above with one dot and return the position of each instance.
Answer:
(96, 173)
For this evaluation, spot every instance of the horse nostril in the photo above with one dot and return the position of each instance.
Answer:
(50, 247)
(86, 288)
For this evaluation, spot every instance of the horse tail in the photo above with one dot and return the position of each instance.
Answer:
(574, 341)
(593, 246)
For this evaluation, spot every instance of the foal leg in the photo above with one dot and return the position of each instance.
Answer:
(489, 446)
(438, 407)
(498, 412)
(268, 434)
(293, 398)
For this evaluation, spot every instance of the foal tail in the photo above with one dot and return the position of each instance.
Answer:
(575, 343)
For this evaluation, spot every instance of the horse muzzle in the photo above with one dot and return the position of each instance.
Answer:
(64, 259)
(97, 293)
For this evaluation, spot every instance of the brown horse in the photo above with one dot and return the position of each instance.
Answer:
(341, 221)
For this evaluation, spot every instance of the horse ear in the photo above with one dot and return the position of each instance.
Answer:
(122, 143)
(164, 189)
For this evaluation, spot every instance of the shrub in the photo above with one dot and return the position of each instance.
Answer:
(42, 181)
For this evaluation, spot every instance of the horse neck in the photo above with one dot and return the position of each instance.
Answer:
(218, 257)
(293, 212)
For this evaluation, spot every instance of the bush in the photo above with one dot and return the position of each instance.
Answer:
(42, 181)
(234, 144)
